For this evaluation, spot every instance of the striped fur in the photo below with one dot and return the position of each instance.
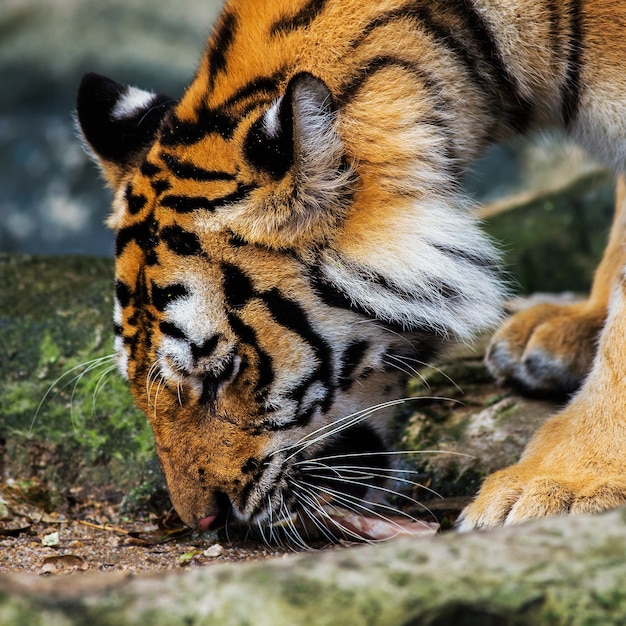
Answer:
(293, 225)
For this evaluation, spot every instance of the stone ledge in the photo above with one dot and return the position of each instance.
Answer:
(555, 571)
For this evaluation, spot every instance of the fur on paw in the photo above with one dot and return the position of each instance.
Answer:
(512, 496)
(547, 349)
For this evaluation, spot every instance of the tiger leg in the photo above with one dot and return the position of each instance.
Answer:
(549, 348)
(576, 462)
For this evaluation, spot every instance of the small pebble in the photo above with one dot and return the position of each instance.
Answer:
(214, 551)
(51, 540)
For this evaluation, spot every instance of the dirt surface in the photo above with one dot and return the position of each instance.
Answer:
(92, 536)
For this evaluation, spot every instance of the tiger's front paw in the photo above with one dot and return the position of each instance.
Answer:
(547, 349)
(515, 495)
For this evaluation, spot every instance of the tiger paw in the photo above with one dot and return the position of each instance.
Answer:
(547, 349)
(515, 495)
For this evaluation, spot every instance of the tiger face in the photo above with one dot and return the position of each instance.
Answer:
(275, 282)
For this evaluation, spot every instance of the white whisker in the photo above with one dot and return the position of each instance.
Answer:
(359, 473)
(336, 426)
(88, 366)
(429, 365)
(324, 514)
(380, 488)
(389, 453)
(103, 379)
(349, 502)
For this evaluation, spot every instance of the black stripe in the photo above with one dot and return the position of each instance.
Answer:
(181, 241)
(351, 89)
(436, 88)
(149, 169)
(247, 334)
(160, 186)
(519, 109)
(144, 234)
(162, 296)
(189, 171)
(238, 288)
(331, 295)
(123, 293)
(262, 84)
(302, 19)
(219, 46)
(350, 360)
(210, 122)
(291, 316)
(426, 19)
(570, 90)
(169, 329)
(554, 20)
(465, 255)
(218, 121)
(188, 204)
(472, 43)
(135, 202)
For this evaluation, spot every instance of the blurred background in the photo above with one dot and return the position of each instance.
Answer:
(52, 200)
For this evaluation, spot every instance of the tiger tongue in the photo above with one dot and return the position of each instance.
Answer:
(204, 525)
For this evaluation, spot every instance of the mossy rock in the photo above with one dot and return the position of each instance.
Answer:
(66, 416)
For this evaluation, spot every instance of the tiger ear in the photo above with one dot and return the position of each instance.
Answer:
(292, 128)
(295, 141)
(117, 122)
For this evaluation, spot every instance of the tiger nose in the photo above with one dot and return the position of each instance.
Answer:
(217, 515)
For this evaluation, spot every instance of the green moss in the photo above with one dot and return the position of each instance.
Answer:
(61, 393)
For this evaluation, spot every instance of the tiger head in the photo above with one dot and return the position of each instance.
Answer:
(272, 294)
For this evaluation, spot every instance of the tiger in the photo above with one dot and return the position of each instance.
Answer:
(292, 238)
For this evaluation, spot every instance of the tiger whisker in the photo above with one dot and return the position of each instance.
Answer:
(313, 511)
(89, 367)
(151, 379)
(369, 474)
(389, 453)
(379, 488)
(424, 364)
(361, 472)
(350, 501)
(336, 426)
(161, 384)
(348, 422)
(405, 369)
(307, 506)
(94, 365)
(291, 532)
(325, 515)
(102, 382)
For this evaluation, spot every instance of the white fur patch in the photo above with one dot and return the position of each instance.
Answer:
(431, 261)
(131, 102)
(271, 122)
